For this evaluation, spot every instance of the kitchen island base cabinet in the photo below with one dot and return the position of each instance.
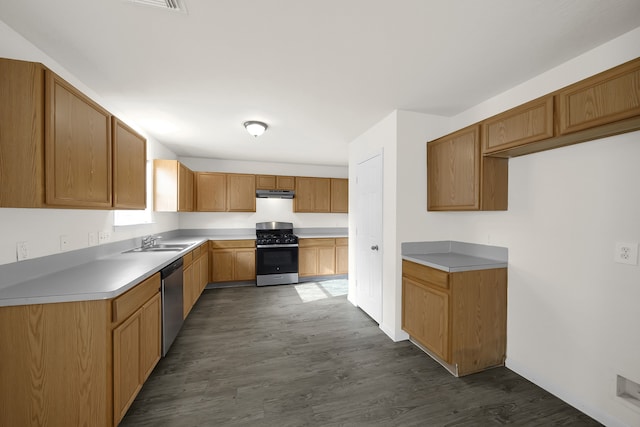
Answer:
(458, 318)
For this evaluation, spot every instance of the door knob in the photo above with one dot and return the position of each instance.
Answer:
(374, 247)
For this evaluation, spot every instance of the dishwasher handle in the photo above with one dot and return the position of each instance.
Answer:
(165, 272)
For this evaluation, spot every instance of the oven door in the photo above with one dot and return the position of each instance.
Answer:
(276, 260)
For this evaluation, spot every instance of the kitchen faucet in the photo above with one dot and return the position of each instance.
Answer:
(149, 241)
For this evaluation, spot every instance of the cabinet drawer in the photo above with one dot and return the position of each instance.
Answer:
(342, 241)
(196, 252)
(223, 244)
(305, 243)
(187, 259)
(126, 304)
(425, 274)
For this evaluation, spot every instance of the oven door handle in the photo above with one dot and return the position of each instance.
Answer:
(288, 245)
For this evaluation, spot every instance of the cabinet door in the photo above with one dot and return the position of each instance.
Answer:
(453, 171)
(522, 125)
(265, 182)
(245, 264)
(307, 262)
(211, 192)
(342, 257)
(187, 289)
(222, 261)
(326, 261)
(604, 98)
(241, 193)
(312, 194)
(129, 167)
(339, 195)
(204, 271)
(77, 148)
(127, 375)
(425, 316)
(185, 188)
(21, 134)
(285, 183)
(151, 337)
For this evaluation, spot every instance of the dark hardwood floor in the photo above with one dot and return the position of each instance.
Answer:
(253, 356)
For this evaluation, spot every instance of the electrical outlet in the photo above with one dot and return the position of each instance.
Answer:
(104, 236)
(64, 243)
(22, 251)
(93, 239)
(626, 253)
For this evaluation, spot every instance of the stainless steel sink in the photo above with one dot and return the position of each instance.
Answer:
(162, 247)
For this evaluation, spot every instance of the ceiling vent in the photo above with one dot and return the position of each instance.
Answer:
(174, 5)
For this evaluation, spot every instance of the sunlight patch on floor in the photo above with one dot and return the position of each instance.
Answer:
(314, 291)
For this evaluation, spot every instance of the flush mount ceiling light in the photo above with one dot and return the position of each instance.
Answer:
(255, 128)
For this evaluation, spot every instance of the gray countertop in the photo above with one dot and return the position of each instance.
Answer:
(103, 275)
(451, 256)
(102, 278)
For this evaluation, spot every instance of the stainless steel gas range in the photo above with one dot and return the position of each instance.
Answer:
(276, 253)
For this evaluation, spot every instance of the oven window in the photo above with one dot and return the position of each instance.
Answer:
(277, 260)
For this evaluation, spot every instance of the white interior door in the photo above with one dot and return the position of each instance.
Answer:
(369, 237)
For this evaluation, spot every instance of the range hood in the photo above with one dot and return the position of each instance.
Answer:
(274, 194)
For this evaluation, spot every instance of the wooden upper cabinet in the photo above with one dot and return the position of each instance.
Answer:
(605, 98)
(453, 171)
(522, 125)
(312, 195)
(185, 188)
(339, 195)
(241, 193)
(77, 147)
(211, 192)
(172, 186)
(275, 182)
(459, 178)
(21, 134)
(129, 167)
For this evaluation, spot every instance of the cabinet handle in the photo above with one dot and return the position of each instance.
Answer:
(374, 247)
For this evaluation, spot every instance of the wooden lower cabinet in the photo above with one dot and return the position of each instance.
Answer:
(78, 363)
(232, 260)
(195, 276)
(136, 350)
(459, 318)
(322, 257)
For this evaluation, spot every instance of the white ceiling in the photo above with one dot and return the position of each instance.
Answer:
(319, 73)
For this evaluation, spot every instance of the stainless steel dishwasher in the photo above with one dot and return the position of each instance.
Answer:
(172, 310)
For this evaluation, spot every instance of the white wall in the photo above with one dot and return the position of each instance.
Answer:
(42, 228)
(266, 209)
(572, 311)
(381, 138)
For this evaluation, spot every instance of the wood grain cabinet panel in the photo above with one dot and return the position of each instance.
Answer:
(312, 195)
(129, 167)
(77, 148)
(605, 98)
(339, 195)
(241, 193)
(232, 260)
(173, 186)
(21, 134)
(522, 125)
(459, 178)
(323, 257)
(463, 324)
(275, 182)
(211, 192)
